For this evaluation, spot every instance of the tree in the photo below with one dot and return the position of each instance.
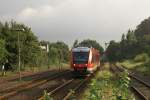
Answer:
(75, 44)
(91, 43)
(123, 45)
(143, 28)
(142, 33)
(53, 55)
(144, 44)
(113, 51)
(1, 26)
(3, 52)
(131, 37)
(63, 50)
(131, 45)
(29, 44)
(30, 51)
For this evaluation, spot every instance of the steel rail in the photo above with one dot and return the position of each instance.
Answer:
(76, 88)
(29, 85)
(73, 89)
(137, 78)
(9, 79)
(56, 89)
(140, 81)
(139, 92)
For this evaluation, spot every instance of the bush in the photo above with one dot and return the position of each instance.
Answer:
(147, 63)
(141, 57)
(46, 96)
(104, 88)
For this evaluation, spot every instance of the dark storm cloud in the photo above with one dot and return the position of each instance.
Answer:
(68, 20)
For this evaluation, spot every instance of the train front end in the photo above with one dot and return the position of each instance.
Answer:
(81, 60)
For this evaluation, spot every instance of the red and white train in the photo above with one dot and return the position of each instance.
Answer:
(84, 59)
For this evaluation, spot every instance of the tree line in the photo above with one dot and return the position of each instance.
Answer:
(132, 43)
(89, 43)
(15, 36)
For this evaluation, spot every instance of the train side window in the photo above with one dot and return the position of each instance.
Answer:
(92, 58)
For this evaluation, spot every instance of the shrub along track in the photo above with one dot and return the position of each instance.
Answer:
(9, 92)
(140, 86)
(70, 88)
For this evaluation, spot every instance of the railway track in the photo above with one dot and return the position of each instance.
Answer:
(24, 76)
(70, 88)
(8, 92)
(141, 87)
(65, 91)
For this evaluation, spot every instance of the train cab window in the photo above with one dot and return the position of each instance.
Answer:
(80, 57)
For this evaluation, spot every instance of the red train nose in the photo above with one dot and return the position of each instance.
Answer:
(90, 65)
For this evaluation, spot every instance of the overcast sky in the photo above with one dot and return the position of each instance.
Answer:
(67, 20)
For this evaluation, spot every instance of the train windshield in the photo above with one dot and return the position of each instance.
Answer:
(80, 57)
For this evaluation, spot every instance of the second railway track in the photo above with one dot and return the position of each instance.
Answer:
(8, 92)
(140, 86)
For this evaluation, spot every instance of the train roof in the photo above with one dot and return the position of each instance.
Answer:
(79, 49)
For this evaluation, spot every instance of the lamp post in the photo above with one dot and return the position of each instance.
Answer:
(47, 49)
(60, 58)
(19, 51)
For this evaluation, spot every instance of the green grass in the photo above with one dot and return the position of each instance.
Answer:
(107, 86)
(104, 74)
(143, 67)
(130, 64)
(45, 67)
(8, 73)
(35, 69)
